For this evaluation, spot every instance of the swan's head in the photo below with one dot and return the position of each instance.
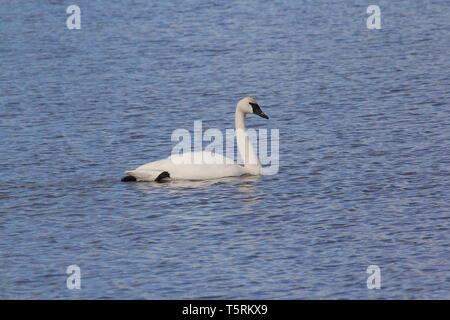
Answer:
(249, 105)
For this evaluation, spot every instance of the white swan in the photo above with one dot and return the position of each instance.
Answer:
(206, 165)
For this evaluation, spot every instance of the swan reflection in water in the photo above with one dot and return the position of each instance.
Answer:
(245, 184)
(242, 190)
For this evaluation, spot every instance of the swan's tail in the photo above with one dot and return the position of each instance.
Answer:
(145, 175)
(128, 179)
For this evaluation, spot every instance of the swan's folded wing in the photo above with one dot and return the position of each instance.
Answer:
(148, 175)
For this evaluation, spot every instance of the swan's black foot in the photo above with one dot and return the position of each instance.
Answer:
(128, 179)
(162, 175)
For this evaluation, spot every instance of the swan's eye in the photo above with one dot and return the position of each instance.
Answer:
(255, 106)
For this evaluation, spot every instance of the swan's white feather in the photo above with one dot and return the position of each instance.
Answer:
(190, 166)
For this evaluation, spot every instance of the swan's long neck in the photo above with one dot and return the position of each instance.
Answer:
(251, 161)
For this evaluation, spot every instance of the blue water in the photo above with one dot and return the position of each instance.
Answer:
(364, 149)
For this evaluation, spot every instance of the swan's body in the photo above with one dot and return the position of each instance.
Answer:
(188, 171)
(206, 165)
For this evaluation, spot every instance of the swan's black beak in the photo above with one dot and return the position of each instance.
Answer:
(257, 110)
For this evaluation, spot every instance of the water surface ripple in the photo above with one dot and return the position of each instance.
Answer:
(364, 154)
